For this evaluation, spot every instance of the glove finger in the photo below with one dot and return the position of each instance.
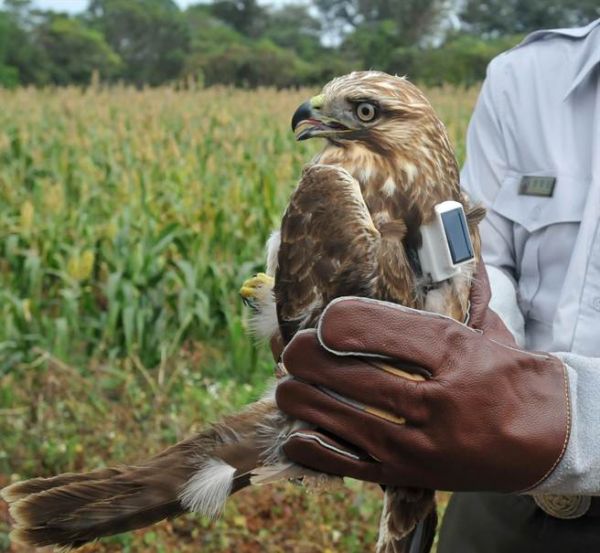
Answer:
(323, 453)
(362, 326)
(365, 428)
(372, 382)
(480, 314)
(480, 295)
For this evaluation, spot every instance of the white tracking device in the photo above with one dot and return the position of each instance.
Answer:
(446, 243)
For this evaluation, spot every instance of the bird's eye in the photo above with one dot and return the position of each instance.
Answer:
(366, 112)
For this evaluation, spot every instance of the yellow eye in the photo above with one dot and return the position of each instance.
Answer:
(366, 112)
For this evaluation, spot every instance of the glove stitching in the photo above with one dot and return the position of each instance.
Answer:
(324, 444)
(567, 433)
(384, 304)
(396, 306)
(525, 352)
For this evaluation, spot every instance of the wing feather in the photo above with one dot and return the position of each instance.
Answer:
(328, 247)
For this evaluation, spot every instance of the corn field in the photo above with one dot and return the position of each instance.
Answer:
(128, 221)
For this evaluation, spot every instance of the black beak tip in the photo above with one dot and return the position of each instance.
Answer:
(302, 113)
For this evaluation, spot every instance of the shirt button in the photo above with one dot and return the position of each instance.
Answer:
(536, 212)
(596, 303)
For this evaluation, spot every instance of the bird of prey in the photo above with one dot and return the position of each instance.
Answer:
(352, 227)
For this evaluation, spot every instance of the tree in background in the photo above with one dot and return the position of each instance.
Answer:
(461, 61)
(283, 48)
(293, 27)
(373, 30)
(73, 52)
(245, 16)
(9, 74)
(19, 53)
(210, 37)
(150, 36)
(414, 21)
(244, 43)
(505, 17)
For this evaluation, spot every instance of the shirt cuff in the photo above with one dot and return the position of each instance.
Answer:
(578, 472)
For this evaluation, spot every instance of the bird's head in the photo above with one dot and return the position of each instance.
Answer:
(381, 111)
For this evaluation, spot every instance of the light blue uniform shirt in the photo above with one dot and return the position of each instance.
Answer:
(538, 114)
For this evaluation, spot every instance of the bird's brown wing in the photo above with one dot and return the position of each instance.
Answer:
(328, 247)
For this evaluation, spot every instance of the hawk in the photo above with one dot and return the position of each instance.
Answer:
(352, 227)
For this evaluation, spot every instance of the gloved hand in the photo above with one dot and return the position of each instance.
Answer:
(408, 398)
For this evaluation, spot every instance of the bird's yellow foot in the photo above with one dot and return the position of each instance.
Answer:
(255, 290)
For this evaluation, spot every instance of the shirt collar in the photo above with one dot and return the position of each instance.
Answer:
(586, 60)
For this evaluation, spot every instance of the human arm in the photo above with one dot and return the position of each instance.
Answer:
(486, 168)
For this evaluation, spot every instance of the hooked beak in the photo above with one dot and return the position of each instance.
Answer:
(308, 122)
(304, 114)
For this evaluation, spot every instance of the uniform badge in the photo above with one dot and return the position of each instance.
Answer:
(537, 186)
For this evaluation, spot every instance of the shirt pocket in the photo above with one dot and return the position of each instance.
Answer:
(545, 230)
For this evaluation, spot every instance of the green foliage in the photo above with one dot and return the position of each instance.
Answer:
(294, 28)
(150, 36)
(373, 43)
(462, 60)
(505, 17)
(9, 75)
(244, 43)
(247, 17)
(113, 246)
(288, 54)
(20, 58)
(252, 64)
(414, 20)
(73, 52)
(208, 33)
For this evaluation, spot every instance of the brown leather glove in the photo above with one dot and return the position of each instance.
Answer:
(480, 415)
(481, 317)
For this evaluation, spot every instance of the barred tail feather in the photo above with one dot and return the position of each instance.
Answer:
(196, 474)
(19, 490)
(75, 513)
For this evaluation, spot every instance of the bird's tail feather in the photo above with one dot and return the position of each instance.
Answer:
(419, 540)
(17, 491)
(77, 512)
(197, 474)
(408, 521)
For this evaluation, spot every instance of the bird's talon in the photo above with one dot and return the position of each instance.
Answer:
(255, 288)
(248, 302)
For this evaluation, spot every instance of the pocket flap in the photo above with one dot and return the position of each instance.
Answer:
(534, 212)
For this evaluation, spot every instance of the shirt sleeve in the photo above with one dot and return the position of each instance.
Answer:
(485, 169)
(579, 470)
(504, 303)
